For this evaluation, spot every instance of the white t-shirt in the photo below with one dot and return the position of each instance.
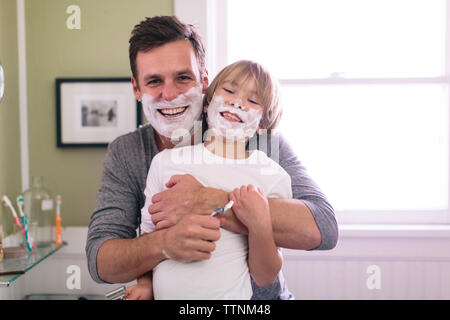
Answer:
(225, 275)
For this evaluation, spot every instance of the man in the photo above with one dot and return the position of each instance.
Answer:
(167, 59)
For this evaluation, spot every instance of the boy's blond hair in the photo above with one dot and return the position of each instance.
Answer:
(266, 89)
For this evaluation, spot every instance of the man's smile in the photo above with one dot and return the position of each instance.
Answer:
(172, 112)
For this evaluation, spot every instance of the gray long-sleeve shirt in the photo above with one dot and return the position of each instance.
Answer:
(121, 197)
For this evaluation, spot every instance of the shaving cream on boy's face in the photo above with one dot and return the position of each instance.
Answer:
(173, 119)
(231, 121)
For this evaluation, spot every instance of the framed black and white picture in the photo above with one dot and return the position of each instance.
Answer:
(92, 112)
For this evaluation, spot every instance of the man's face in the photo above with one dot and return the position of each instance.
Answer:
(165, 74)
(167, 71)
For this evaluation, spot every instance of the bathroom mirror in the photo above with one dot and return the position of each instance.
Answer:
(2, 81)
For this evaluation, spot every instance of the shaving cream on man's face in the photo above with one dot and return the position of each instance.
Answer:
(174, 119)
(230, 121)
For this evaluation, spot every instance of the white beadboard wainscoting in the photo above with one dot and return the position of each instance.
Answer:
(413, 263)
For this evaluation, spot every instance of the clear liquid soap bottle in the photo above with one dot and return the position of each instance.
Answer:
(39, 210)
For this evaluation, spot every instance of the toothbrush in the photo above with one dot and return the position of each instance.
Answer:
(29, 238)
(6, 202)
(58, 221)
(222, 209)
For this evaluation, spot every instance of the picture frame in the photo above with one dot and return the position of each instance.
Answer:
(92, 112)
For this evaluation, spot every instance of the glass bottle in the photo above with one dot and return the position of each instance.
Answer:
(38, 208)
(1, 239)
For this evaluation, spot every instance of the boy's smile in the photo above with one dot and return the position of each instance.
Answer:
(231, 116)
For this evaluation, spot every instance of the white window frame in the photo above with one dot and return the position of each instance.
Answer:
(210, 17)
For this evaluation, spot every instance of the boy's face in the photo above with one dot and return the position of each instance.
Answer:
(166, 72)
(235, 109)
(240, 95)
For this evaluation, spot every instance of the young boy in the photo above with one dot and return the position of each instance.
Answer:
(242, 98)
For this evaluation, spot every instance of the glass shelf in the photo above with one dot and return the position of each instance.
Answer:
(17, 261)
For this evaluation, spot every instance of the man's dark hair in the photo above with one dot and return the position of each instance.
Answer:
(157, 31)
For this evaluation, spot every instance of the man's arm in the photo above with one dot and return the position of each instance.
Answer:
(124, 260)
(306, 222)
(192, 239)
(309, 206)
(293, 224)
(113, 253)
(115, 218)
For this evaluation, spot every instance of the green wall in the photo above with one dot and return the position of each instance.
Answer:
(10, 174)
(98, 49)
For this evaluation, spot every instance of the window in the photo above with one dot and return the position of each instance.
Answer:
(365, 93)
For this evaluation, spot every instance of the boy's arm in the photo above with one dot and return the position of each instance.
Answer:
(252, 209)
(264, 261)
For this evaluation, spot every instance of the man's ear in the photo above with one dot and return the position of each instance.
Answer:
(205, 81)
(136, 91)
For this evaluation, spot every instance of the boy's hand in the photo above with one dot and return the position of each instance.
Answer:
(251, 207)
(139, 292)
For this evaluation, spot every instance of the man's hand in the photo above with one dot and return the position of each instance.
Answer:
(142, 290)
(191, 239)
(139, 292)
(185, 196)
